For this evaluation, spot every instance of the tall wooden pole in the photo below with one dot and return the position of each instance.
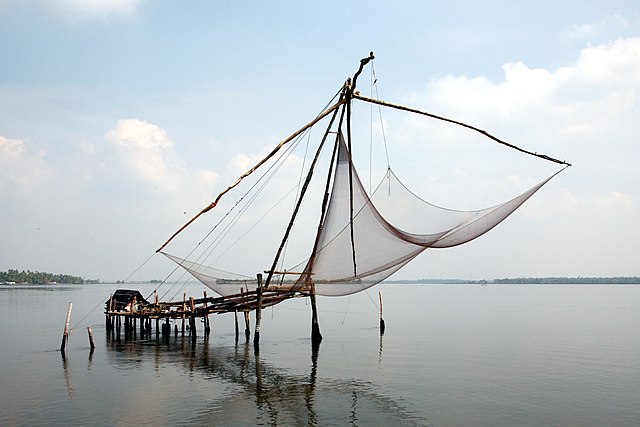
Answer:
(93, 347)
(155, 300)
(235, 313)
(65, 335)
(316, 336)
(207, 329)
(247, 326)
(256, 335)
(382, 326)
(247, 323)
(184, 309)
(193, 318)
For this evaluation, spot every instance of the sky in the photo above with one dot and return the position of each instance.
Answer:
(121, 119)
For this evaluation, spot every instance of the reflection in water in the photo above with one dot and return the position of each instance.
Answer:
(258, 391)
(67, 375)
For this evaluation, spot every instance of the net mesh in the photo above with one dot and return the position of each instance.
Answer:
(357, 244)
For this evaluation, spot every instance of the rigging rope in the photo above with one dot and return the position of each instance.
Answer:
(374, 86)
(90, 312)
(253, 169)
(483, 132)
(384, 136)
(269, 173)
(304, 162)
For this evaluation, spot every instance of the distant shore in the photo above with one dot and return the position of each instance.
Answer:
(36, 278)
(626, 280)
(15, 277)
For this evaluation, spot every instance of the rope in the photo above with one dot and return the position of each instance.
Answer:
(100, 303)
(250, 171)
(269, 173)
(296, 138)
(384, 136)
(483, 132)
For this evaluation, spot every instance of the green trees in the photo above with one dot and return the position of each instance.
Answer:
(36, 277)
(571, 281)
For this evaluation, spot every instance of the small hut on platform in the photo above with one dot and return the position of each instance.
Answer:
(125, 300)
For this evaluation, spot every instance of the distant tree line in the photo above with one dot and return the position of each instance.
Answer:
(571, 280)
(531, 281)
(36, 277)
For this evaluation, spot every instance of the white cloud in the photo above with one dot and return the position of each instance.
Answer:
(240, 163)
(596, 96)
(615, 21)
(77, 8)
(616, 200)
(21, 169)
(97, 7)
(149, 155)
(603, 82)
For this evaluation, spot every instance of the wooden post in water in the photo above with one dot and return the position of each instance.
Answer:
(65, 335)
(316, 336)
(256, 335)
(235, 313)
(108, 316)
(247, 323)
(184, 309)
(382, 326)
(93, 347)
(247, 326)
(207, 328)
(155, 300)
(193, 318)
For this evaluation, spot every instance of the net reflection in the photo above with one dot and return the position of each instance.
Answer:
(259, 388)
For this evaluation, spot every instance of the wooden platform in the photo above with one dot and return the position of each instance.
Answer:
(129, 306)
(246, 301)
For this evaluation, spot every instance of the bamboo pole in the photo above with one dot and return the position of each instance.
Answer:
(193, 318)
(256, 335)
(247, 326)
(91, 338)
(65, 335)
(316, 336)
(382, 325)
(235, 313)
(483, 132)
(109, 317)
(207, 329)
(155, 300)
(184, 308)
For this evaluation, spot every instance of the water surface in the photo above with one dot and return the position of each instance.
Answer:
(451, 355)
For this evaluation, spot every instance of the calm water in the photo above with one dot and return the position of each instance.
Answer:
(451, 355)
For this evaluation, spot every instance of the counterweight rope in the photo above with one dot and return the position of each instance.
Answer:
(483, 132)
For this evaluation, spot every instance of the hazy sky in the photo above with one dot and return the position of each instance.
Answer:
(119, 119)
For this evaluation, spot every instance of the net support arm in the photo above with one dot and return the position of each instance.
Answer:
(433, 116)
(256, 166)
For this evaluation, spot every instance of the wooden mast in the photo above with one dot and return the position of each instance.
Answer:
(351, 87)
(316, 337)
